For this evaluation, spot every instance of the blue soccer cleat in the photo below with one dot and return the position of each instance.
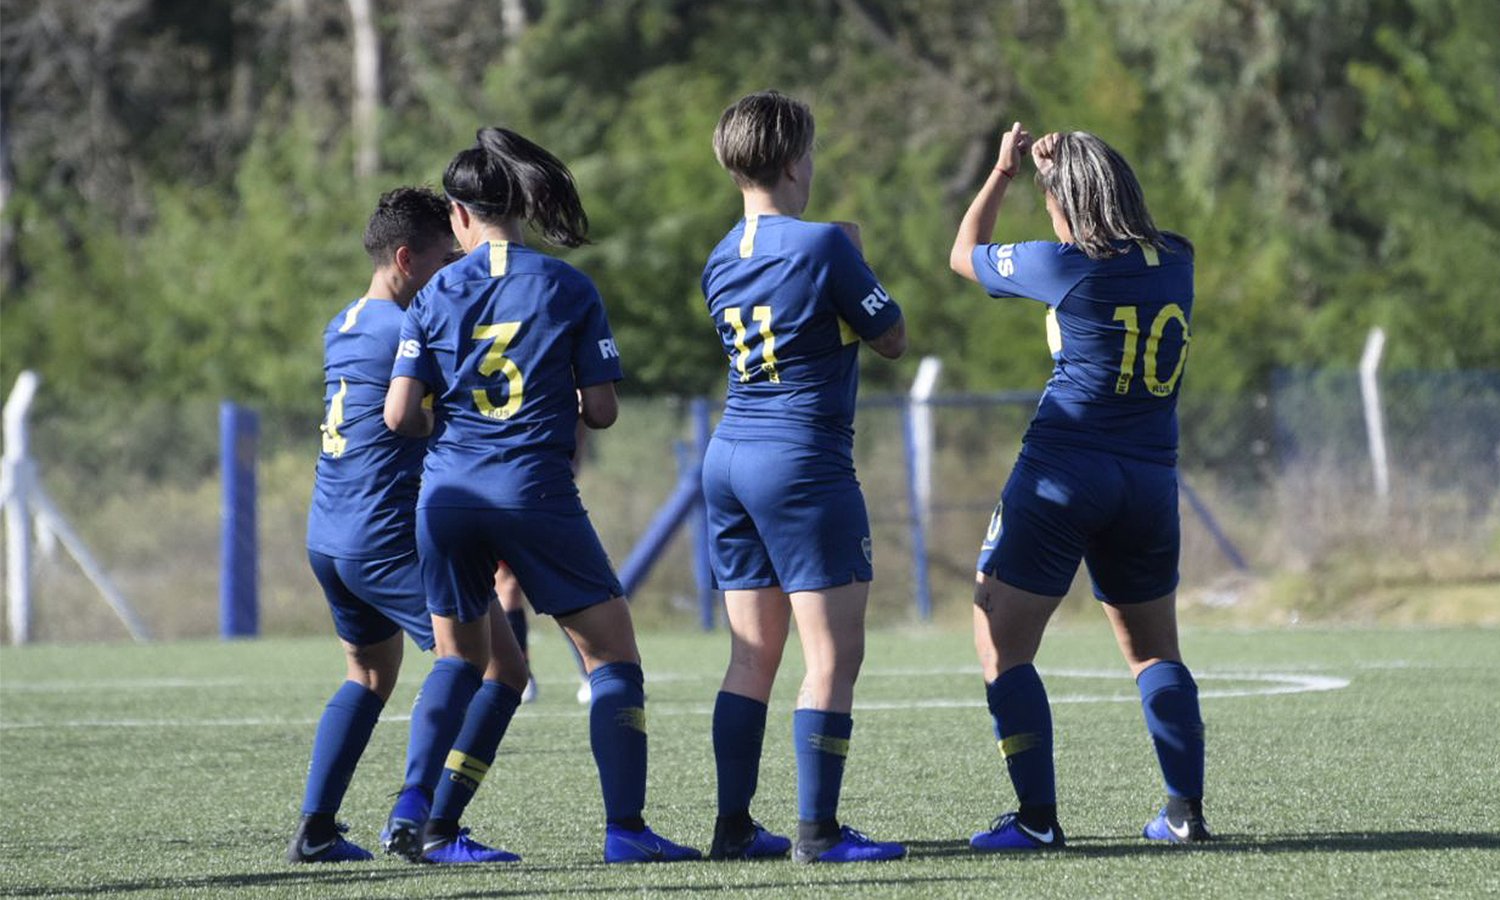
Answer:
(754, 842)
(461, 850)
(402, 835)
(1007, 833)
(333, 850)
(622, 845)
(849, 846)
(1189, 830)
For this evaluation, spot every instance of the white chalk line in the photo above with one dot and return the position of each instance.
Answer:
(1269, 684)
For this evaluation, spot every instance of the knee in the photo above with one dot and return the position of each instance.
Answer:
(840, 667)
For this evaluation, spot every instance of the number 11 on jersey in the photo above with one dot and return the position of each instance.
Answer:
(762, 316)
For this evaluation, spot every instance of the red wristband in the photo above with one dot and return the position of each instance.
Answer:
(1006, 172)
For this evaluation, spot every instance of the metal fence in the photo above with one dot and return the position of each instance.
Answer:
(1283, 477)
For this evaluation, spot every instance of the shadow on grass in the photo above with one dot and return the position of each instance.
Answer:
(305, 877)
(399, 879)
(397, 882)
(1330, 841)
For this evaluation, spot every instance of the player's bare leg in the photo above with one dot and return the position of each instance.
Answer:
(1008, 627)
(375, 666)
(343, 733)
(1147, 634)
(759, 622)
(603, 634)
(513, 609)
(1008, 624)
(831, 627)
(605, 638)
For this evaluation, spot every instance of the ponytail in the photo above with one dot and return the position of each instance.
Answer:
(505, 175)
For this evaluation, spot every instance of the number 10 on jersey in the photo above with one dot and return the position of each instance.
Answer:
(1129, 315)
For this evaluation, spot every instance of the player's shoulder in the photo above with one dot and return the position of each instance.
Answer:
(551, 277)
(815, 238)
(364, 315)
(1022, 258)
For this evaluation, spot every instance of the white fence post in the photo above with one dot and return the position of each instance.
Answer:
(23, 497)
(15, 492)
(1369, 391)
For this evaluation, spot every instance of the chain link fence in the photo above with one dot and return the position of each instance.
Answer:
(1283, 477)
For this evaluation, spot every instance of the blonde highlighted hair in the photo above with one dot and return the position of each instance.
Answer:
(1100, 197)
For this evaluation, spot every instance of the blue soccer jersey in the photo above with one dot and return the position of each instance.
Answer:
(365, 490)
(1118, 330)
(504, 338)
(791, 301)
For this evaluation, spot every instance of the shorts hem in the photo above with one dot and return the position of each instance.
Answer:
(746, 584)
(827, 584)
(1136, 596)
(1031, 587)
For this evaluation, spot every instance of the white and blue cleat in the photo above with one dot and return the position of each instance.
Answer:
(1009, 833)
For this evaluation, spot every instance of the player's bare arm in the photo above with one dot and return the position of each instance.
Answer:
(403, 408)
(892, 342)
(978, 224)
(598, 406)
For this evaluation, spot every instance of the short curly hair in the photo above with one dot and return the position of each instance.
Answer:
(406, 217)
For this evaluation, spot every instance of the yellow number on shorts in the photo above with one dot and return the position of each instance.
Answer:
(495, 361)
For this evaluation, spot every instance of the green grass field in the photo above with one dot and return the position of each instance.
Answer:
(1341, 763)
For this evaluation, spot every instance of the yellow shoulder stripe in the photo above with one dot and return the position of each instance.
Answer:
(747, 243)
(353, 314)
(1152, 257)
(499, 253)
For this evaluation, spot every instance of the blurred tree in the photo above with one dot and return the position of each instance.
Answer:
(181, 215)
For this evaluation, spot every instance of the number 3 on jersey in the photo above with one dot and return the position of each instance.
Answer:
(1155, 385)
(495, 361)
(762, 315)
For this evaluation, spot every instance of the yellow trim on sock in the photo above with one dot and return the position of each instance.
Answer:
(1016, 743)
(827, 743)
(466, 765)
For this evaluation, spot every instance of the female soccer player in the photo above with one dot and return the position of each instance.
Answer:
(1096, 479)
(361, 528)
(791, 301)
(514, 345)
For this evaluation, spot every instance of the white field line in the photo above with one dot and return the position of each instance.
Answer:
(1267, 684)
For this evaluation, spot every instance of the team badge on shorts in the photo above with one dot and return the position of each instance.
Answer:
(992, 533)
(868, 548)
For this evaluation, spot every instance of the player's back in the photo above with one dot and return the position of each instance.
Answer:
(508, 336)
(791, 301)
(1118, 329)
(365, 488)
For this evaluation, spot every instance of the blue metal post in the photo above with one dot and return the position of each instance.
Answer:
(239, 607)
(921, 588)
(1226, 546)
(698, 521)
(659, 531)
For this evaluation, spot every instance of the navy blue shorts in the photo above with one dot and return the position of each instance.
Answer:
(1063, 505)
(372, 599)
(784, 514)
(555, 555)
